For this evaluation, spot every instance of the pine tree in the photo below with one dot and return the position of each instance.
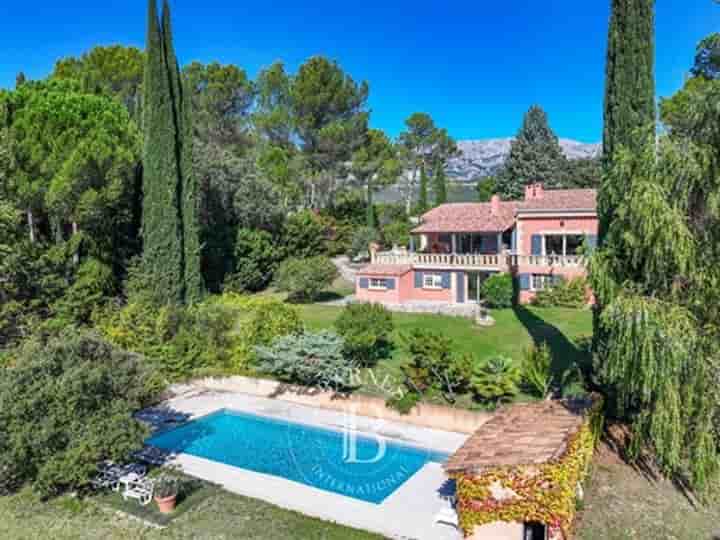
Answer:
(440, 184)
(170, 230)
(423, 196)
(535, 156)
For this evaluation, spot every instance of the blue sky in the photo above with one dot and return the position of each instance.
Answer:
(475, 66)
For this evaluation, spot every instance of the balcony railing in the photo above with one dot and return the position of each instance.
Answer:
(569, 261)
(490, 262)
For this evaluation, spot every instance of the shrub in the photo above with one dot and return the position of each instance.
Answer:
(361, 241)
(397, 233)
(218, 335)
(570, 294)
(67, 405)
(311, 359)
(304, 235)
(403, 404)
(255, 261)
(434, 367)
(537, 370)
(498, 291)
(305, 279)
(496, 379)
(367, 330)
(93, 284)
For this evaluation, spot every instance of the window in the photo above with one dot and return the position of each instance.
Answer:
(432, 281)
(378, 284)
(573, 243)
(554, 244)
(540, 282)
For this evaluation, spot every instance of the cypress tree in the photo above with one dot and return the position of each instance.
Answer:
(439, 184)
(171, 254)
(629, 75)
(535, 156)
(423, 196)
(371, 222)
(189, 195)
(162, 232)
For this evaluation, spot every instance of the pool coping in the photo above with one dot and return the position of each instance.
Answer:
(406, 513)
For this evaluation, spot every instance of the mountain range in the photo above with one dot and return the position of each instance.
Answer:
(485, 157)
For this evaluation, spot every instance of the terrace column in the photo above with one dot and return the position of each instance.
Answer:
(412, 243)
(454, 243)
(499, 243)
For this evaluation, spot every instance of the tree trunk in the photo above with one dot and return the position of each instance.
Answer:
(31, 225)
(76, 255)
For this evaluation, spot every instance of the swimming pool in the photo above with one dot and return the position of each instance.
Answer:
(338, 461)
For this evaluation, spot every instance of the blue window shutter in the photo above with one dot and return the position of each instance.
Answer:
(591, 243)
(460, 277)
(524, 282)
(514, 240)
(536, 244)
(418, 280)
(364, 282)
(446, 280)
(390, 284)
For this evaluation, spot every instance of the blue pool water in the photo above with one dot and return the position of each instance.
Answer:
(351, 465)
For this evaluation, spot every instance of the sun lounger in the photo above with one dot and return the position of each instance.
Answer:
(110, 474)
(447, 516)
(140, 489)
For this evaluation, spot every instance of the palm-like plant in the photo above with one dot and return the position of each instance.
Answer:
(496, 379)
(537, 370)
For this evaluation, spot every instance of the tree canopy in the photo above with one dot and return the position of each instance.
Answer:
(535, 156)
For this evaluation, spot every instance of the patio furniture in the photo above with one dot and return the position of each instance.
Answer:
(140, 489)
(448, 516)
(153, 455)
(110, 473)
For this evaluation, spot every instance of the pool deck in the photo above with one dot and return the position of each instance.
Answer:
(406, 514)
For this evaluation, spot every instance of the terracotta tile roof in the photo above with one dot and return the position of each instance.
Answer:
(522, 434)
(392, 270)
(479, 217)
(563, 199)
(468, 217)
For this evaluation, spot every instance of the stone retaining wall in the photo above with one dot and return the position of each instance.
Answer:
(424, 415)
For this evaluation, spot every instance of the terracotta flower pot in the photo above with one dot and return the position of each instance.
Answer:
(167, 504)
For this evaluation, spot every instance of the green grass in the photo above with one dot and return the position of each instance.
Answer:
(516, 329)
(193, 493)
(220, 516)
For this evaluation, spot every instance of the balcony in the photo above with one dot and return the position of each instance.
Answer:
(492, 262)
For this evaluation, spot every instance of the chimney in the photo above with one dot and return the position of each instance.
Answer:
(534, 191)
(495, 204)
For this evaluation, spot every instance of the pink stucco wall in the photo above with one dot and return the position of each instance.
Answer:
(405, 291)
(382, 297)
(552, 225)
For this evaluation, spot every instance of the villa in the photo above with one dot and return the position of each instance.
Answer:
(539, 240)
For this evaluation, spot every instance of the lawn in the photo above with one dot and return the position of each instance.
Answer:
(564, 330)
(221, 516)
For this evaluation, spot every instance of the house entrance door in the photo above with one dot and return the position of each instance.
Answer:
(474, 281)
